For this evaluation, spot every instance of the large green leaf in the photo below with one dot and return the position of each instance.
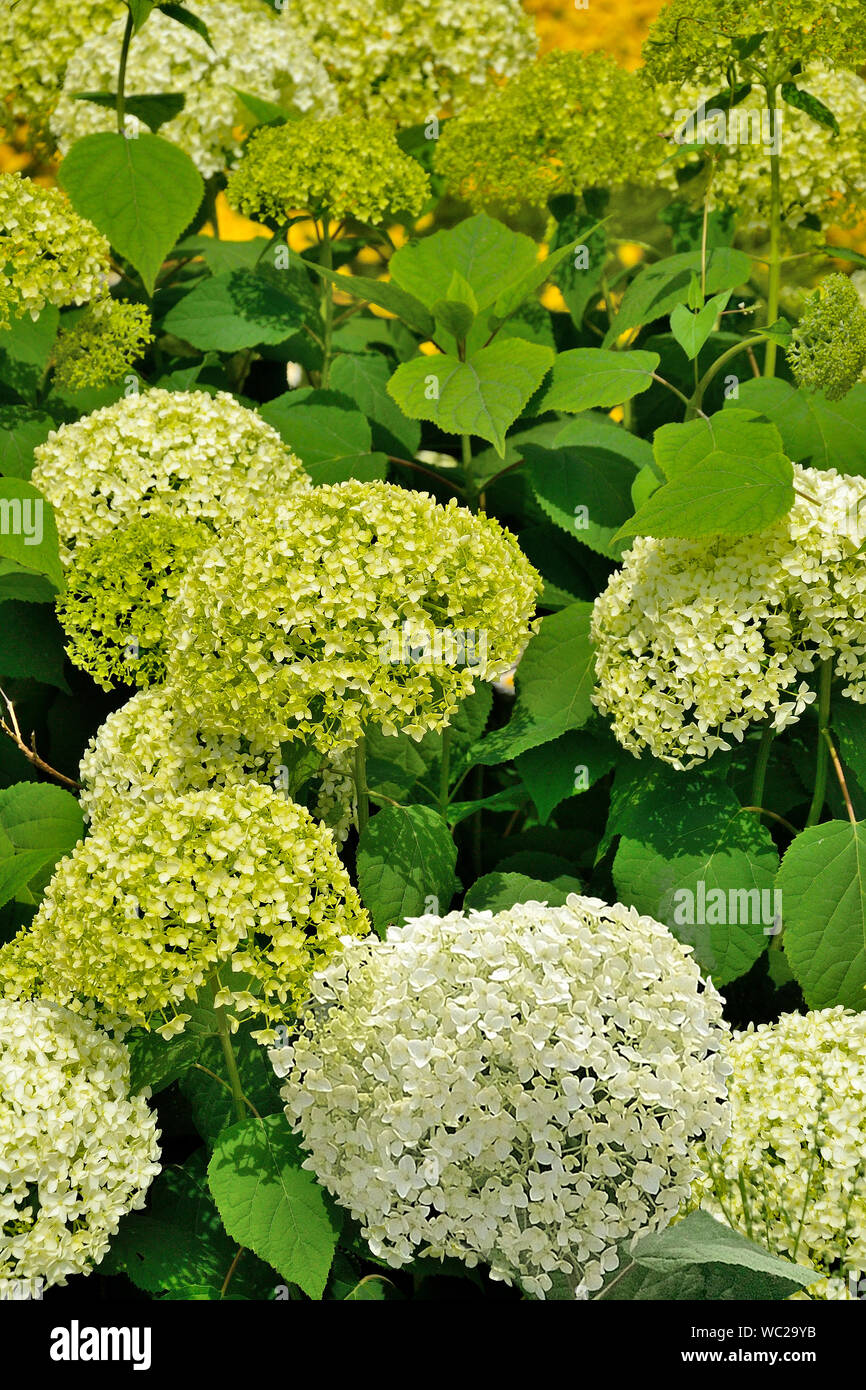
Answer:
(272, 1205)
(482, 396)
(814, 431)
(565, 767)
(39, 824)
(333, 441)
(22, 429)
(727, 475)
(824, 911)
(406, 857)
(483, 251)
(25, 352)
(209, 1097)
(692, 858)
(659, 287)
(154, 109)
(586, 377)
(700, 1259)
(585, 487)
(692, 329)
(31, 643)
(236, 309)
(140, 193)
(383, 293)
(497, 892)
(28, 533)
(363, 377)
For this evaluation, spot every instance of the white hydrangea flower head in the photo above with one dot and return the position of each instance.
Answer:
(412, 59)
(797, 1145)
(307, 620)
(145, 753)
(821, 174)
(35, 48)
(76, 1150)
(252, 52)
(698, 640)
(234, 889)
(48, 253)
(524, 1089)
(186, 453)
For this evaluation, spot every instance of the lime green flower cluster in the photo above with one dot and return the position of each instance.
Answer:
(342, 166)
(828, 345)
(232, 887)
(103, 344)
(568, 122)
(344, 607)
(146, 752)
(183, 452)
(696, 40)
(48, 254)
(412, 59)
(793, 1172)
(36, 42)
(117, 589)
(78, 1151)
(821, 174)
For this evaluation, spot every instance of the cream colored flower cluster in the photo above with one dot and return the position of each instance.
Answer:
(292, 625)
(36, 42)
(822, 174)
(76, 1150)
(48, 254)
(698, 640)
(793, 1172)
(524, 1089)
(145, 752)
(412, 59)
(184, 452)
(252, 52)
(234, 885)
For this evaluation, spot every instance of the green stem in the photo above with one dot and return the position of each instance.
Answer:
(327, 260)
(361, 789)
(822, 757)
(121, 73)
(445, 771)
(760, 773)
(234, 1075)
(697, 400)
(775, 260)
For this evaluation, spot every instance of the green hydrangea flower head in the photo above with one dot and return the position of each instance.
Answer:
(48, 254)
(828, 345)
(411, 59)
(113, 610)
(232, 887)
(556, 128)
(697, 640)
(250, 50)
(145, 751)
(356, 604)
(822, 175)
(797, 1144)
(79, 1151)
(525, 1089)
(343, 166)
(194, 455)
(697, 40)
(35, 48)
(102, 345)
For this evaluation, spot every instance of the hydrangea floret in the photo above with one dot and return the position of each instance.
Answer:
(342, 165)
(102, 345)
(234, 888)
(249, 51)
(48, 254)
(698, 40)
(113, 609)
(793, 1171)
(696, 640)
(145, 751)
(556, 128)
(78, 1151)
(525, 1089)
(188, 453)
(353, 605)
(828, 344)
(35, 49)
(411, 59)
